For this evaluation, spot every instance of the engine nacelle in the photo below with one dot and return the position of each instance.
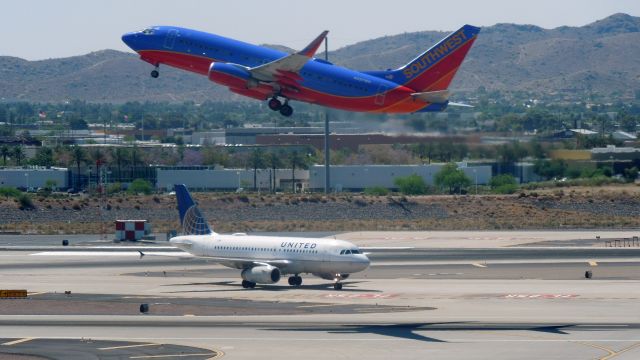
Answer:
(231, 75)
(265, 274)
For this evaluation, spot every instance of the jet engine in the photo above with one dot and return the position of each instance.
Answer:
(265, 274)
(231, 75)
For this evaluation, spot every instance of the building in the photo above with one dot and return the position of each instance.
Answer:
(205, 178)
(34, 177)
(360, 177)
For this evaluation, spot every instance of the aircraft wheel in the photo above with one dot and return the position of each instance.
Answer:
(155, 74)
(252, 284)
(292, 280)
(286, 110)
(337, 286)
(248, 284)
(298, 280)
(274, 104)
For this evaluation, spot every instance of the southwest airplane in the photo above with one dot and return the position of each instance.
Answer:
(264, 259)
(263, 73)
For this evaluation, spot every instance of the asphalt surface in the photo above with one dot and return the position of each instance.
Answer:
(441, 303)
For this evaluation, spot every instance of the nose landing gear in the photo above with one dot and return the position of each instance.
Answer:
(155, 73)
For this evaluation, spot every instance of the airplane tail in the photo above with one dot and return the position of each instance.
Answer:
(434, 69)
(191, 219)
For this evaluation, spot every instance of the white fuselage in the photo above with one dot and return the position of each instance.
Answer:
(292, 255)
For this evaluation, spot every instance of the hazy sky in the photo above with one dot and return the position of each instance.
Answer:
(40, 29)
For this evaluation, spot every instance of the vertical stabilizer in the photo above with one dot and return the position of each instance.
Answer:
(191, 219)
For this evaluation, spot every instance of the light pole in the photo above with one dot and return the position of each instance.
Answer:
(475, 174)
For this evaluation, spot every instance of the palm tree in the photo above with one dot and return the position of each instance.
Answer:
(18, 154)
(120, 156)
(274, 161)
(5, 152)
(295, 160)
(78, 156)
(257, 161)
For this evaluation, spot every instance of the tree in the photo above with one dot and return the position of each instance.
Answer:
(273, 161)
(120, 156)
(140, 186)
(18, 154)
(257, 161)
(295, 160)
(411, 185)
(503, 184)
(5, 152)
(44, 157)
(452, 178)
(79, 156)
(550, 169)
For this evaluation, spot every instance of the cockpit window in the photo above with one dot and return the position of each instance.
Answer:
(148, 31)
(355, 251)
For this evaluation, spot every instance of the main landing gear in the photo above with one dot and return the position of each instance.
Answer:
(295, 280)
(337, 286)
(285, 109)
(155, 73)
(248, 284)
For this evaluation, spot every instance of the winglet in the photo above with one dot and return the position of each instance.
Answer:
(311, 49)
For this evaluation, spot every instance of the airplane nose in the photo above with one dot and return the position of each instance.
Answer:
(365, 262)
(130, 39)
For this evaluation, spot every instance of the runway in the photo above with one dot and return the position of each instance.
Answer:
(444, 303)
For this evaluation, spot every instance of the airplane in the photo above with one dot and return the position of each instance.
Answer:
(267, 74)
(264, 259)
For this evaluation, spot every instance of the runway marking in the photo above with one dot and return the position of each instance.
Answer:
(540, 296)
(19, 341)
(593, 263)
(318, 305)
(170, 356)
(616, 353)
(479, 265)
(188, 315)
(128, 346)
(362, 296)
(36, 293)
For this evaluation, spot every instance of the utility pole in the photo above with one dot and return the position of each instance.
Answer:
(327, 156)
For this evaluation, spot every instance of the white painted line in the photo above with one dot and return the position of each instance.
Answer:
(170, 356)
(128, 346)
(19, 341)
(479, 265)
(593, 263)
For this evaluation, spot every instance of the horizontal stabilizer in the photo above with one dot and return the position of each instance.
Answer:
(438, 97)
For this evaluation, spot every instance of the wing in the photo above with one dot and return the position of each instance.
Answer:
(288, 67)
(240, 263)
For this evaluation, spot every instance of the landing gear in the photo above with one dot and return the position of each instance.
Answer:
(155, 73)
(337, 286)
(286, 110)
(248, 284)
(274, 104)
(295, 280)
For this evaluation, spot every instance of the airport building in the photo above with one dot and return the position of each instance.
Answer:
(29, 177)
(359, 177)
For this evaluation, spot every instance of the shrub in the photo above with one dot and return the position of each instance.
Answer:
(452, 178)
(411, 185)
(10, 192)
(25, 202)
(140, 186)
(503, 184)
(376, 191)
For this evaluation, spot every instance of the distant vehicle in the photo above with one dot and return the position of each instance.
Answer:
(267, 74)
(264, 259)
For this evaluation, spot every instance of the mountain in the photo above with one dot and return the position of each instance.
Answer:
(601, 57)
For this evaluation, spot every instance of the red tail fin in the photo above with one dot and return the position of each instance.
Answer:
(435, 68)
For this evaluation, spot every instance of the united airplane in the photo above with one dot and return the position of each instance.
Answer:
(278, 77)
(265, 259)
